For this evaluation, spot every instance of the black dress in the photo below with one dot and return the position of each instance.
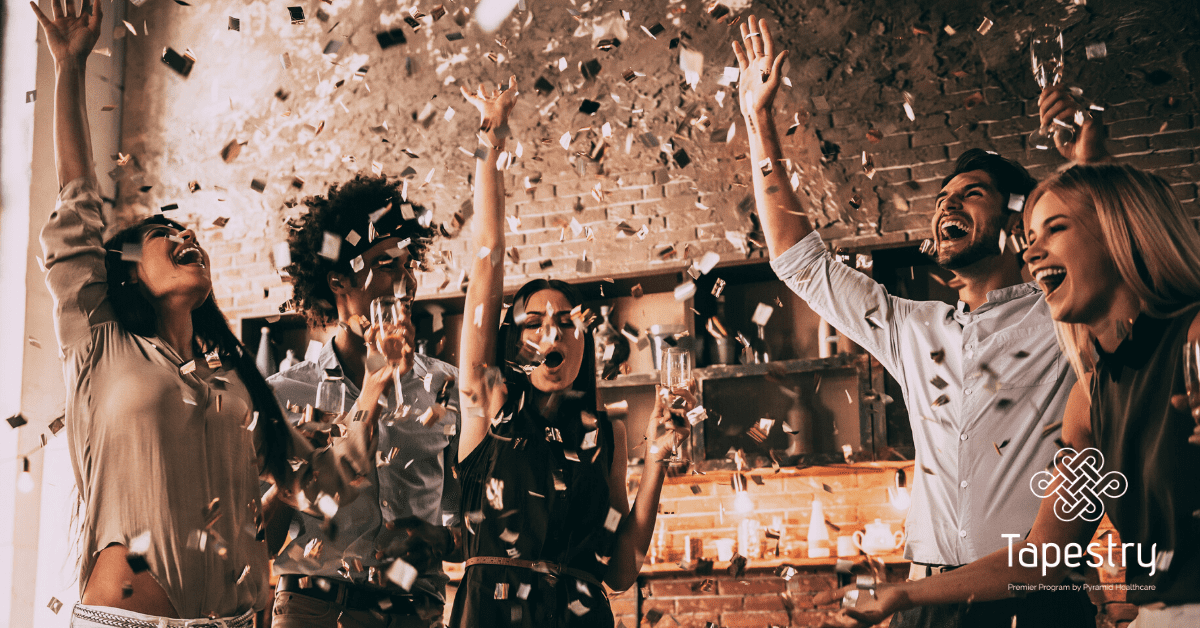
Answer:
(1146, 440)
(536, 489)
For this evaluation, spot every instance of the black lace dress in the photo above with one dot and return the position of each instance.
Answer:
(537, 490)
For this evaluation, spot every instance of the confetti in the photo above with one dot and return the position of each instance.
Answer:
(235, 24)
(296, 14)
(1096, 51)
(54, 605)
(985, 26)
(182, 64)
(937, 356)
(16, 421)
(402, 574)
(31, 96)
(940, 401)
(501, 591)
(612, 520)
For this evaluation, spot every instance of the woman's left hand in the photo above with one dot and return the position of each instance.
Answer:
(1180, 403)
(670, 411)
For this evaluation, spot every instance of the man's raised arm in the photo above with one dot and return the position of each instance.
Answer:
(783, 219)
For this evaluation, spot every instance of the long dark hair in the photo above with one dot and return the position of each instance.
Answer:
(510, 334)
(211, 331)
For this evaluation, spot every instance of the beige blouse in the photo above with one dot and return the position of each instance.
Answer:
(153, 449)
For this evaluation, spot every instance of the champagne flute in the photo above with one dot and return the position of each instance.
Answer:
(1191, 372)
(676, 372)
(390, 316)
(1046, 57)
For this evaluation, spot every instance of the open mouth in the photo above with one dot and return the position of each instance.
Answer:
(953, 229)
(1051, 278)
(553, 359)
(188, 256)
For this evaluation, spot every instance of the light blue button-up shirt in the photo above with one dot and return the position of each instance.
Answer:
(416, 482)
(973, 382)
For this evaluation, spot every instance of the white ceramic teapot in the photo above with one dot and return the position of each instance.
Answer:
(879, 538)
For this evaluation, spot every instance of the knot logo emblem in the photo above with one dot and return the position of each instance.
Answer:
(1078, 483)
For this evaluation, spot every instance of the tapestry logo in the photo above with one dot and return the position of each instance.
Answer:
(1078, 483)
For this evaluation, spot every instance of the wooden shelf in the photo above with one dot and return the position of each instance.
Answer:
(734, 371)
(719, 568)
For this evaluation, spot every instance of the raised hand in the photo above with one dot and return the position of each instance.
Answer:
(1055, 103)
(761, 68)
(670, 410)
(70, 35)
(494, 107)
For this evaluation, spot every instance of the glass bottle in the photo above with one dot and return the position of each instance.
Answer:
(331, 392)
(265, 360)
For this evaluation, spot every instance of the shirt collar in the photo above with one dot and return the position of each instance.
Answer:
(1001, 296)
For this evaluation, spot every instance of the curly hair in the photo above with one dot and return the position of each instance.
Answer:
(348, 208)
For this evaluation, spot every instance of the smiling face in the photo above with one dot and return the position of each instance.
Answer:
(968, 219)
(548, 325)
(1069, 259)
(173, 267)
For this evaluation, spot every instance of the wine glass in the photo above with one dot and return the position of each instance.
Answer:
(1046, 57)
(390, 316)
(1191, 372)
(675, 372)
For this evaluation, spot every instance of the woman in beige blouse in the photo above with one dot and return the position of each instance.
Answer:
(170, 423)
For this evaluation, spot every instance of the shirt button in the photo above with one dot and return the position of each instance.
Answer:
(962, 533)
(968, 390)
(962, 436)
(963, 484)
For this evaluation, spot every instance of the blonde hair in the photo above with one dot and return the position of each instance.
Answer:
(1153, 243)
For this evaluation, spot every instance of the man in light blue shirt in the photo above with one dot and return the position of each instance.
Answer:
(984, 381)
(332, 573)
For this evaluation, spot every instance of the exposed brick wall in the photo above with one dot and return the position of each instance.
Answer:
(850, 67)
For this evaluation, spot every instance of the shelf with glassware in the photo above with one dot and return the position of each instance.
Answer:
(759, 376)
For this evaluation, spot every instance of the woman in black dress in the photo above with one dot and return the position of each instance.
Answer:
(1119, 261)
(548, 523)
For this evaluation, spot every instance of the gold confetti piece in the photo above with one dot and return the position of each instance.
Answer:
(938, 382)
(187, 367)
(940, 401)
(637, 291)
(54, 605)
(927, 470)
(296, 14)
(985, 26)
(937, 356)
(1052, 427)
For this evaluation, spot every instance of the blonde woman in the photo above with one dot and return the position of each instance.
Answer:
(1119, 261)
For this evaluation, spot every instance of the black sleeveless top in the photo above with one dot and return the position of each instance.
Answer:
(536, 489)
(1144, 438)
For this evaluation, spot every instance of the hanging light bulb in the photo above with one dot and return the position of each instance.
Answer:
(898, 495)
(25, 479)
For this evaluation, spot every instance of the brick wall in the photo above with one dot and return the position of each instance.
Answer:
(850, 69)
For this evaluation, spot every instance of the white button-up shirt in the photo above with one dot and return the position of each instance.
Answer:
(973, 382)
(416, 482)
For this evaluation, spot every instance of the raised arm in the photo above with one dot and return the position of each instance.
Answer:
(72, 237)
(1088, 145)
(637, 526)
(783, 219)
(71, 38)
(486, 288)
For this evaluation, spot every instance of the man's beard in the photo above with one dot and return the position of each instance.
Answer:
(987, 246)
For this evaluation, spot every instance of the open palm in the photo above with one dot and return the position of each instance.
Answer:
(761, 68)
(70, 35)
(494, 107)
